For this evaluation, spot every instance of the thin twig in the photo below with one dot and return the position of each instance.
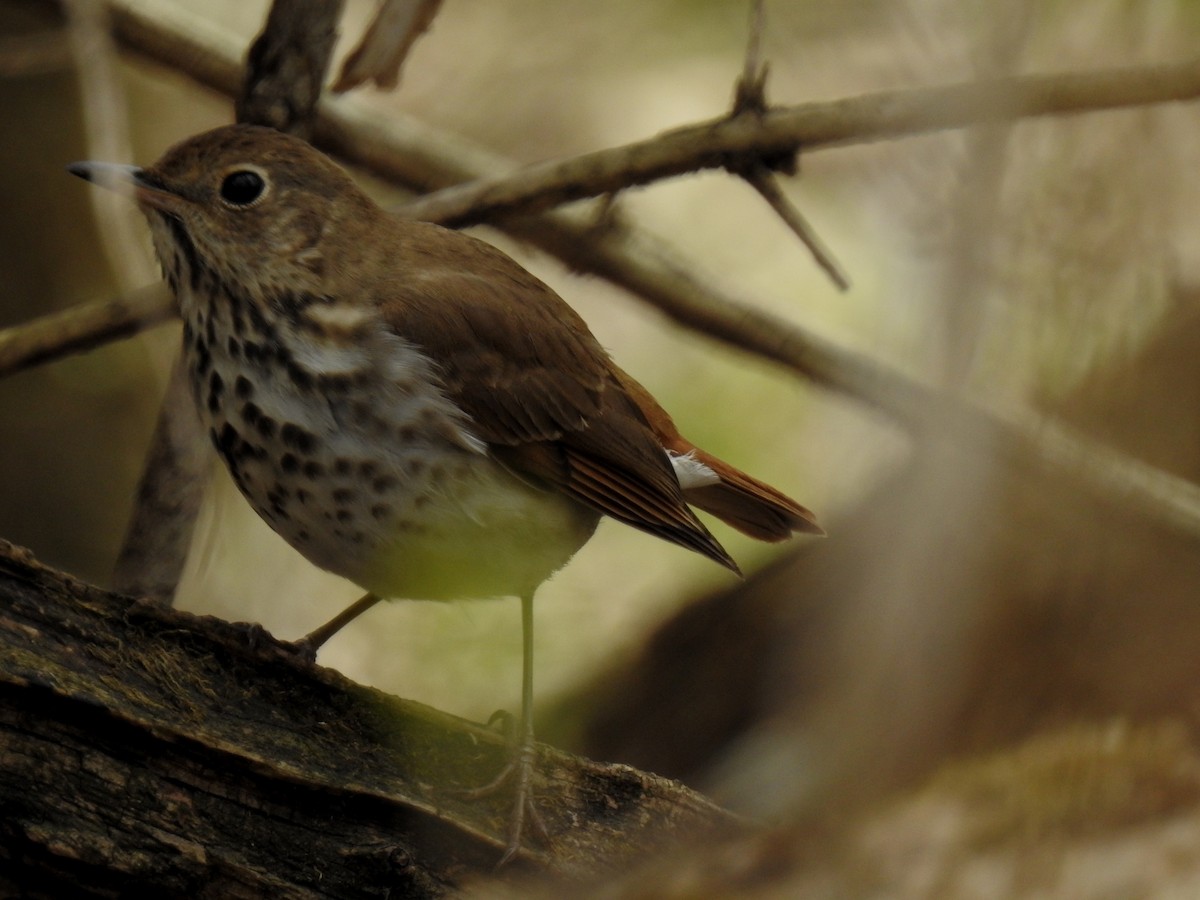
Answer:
(754, 72)
(760, 178)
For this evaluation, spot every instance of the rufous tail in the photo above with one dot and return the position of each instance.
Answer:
(741, 501)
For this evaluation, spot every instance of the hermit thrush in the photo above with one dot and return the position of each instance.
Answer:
(406, 405)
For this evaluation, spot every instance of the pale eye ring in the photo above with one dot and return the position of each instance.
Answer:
(243, 188)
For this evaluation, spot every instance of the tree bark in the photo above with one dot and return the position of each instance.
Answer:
(147, 751)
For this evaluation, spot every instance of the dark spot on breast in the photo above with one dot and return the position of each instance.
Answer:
(227, 440)
(407, 434)
(313, 470)
(383, 483)
(242, 387)
(302, 496)
(414, 466)
(344, 516)
(187, 250)
(335, 384)
(235, 313)
(296, 438)
(266, 427)
(247, 450)
(203, 358)
(235, 349)
(342, 466)
(299, 377)
(343, 495)
(216, 389)
(251, 413)
(302, 534)
(380, 511)
(257, 319)
(367, 469)
(289, 463)
(254, 352)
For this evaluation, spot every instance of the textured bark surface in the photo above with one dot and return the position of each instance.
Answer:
(147, 751)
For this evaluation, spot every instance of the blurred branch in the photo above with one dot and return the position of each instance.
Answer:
(34, 54)
(170, 490)
(386, 45)
(106, 131)
(229, 767)
(286, 65)
(83, 328)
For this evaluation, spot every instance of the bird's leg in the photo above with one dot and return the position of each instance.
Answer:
(312, 642)
(519, 769)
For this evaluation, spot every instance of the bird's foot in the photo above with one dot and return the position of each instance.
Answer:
(518, 773)
(303, 649)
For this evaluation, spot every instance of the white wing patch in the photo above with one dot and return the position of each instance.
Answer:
(690, 471)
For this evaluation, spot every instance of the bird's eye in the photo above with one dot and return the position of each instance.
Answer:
(243, 187)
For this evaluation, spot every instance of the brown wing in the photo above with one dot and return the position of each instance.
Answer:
(538, 387)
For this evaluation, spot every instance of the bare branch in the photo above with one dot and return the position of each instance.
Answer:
(752, 84)
(871, 117)
(170, 491)
(286, 66)
(760, 178)
(386, 45)
(83, 328)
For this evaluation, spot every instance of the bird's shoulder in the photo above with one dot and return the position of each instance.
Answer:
(514, 355)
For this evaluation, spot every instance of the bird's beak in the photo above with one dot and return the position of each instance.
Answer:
(132, 182)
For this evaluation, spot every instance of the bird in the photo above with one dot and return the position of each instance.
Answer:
(406, 405)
